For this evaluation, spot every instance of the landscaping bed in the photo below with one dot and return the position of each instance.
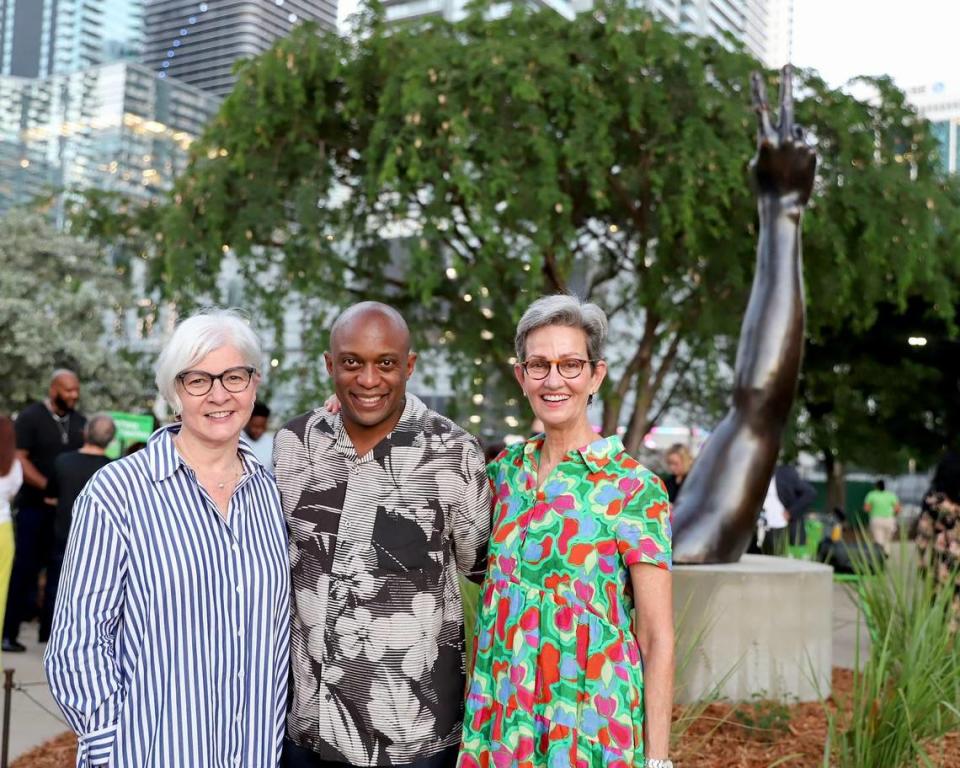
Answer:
(757, 734)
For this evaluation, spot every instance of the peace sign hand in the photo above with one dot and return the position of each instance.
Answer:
(785, 165)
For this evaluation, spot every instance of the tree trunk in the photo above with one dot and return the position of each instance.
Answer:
(836, 487)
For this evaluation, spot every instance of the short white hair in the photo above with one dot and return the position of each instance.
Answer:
(198, 336)
(569, 311)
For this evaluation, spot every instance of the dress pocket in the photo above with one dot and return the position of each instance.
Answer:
(610, 701)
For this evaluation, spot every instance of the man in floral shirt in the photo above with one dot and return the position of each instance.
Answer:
(386, 502)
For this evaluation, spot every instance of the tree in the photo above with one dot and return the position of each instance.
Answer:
(60, 303)
(873, 401)
(527, 155)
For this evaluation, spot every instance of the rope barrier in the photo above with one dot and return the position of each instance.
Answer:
(9, 688)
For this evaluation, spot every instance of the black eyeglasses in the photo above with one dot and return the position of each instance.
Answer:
(198, 383)
(568, 368)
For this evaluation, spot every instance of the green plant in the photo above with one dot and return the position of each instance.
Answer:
(768, 717)
(908, 691)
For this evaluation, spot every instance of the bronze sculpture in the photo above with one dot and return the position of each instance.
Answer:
(716, 512)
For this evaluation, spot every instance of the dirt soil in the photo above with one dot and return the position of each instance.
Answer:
(753, 735)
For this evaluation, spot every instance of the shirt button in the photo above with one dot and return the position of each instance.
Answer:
(239, 590)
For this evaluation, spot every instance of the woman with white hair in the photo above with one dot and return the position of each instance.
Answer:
(574, 645)
(170, 637)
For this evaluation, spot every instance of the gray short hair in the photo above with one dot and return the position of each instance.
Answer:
(99, 430)
(567, 311)
(198, 336)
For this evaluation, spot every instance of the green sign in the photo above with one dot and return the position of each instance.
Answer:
(131, 428)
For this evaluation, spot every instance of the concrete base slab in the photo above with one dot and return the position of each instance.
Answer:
(759, 627)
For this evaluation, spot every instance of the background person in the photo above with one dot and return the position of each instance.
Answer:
(938, 530)
(170, 639)
(44, 431)
(581, 536)
(256, 431)
(883, 506)
(70, 474)
(678, 461)
(797, 496)
(11, 478)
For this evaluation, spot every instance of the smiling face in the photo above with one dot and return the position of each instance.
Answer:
(560, 403)
(370, 362)
(217, 417)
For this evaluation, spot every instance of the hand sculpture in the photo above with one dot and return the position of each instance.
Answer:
(716, 512)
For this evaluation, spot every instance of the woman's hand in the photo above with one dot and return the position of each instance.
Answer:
(332, 404)
(784, 166)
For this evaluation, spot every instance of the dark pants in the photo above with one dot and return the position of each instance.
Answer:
(298, 757)
(33, 534)
(774, 543)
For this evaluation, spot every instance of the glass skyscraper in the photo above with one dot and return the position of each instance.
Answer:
(198, 41)
(940, 104)
(114, 127)
(54, 37)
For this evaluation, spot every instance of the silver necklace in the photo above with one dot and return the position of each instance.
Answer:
(193, 465)
(63, 424)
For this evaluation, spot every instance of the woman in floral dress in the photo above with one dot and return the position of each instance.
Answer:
(564, 676)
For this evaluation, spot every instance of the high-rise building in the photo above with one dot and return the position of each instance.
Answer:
(765, 27)
(53, 37)
(114, 127)
(199, 41)
(940, 104)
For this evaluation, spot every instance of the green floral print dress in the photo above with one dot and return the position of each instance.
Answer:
(557, 679)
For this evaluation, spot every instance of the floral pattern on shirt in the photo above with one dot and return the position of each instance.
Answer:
(376, 542)
(557, 678)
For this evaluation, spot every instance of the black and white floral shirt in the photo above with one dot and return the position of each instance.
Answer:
(376, 617)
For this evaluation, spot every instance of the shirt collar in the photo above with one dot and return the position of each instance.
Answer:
(595, 455)
(163, 459)
(408, 431)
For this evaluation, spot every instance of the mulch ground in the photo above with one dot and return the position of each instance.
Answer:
(752, 735)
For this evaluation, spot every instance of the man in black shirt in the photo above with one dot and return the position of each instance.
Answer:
(70, 474)
(44, 431)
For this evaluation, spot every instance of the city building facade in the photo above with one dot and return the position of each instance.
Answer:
(113, 127)
(39, 38)
(765, 27)
(199, 42)
(940, 104)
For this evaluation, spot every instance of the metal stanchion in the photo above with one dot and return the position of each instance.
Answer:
(7, 693)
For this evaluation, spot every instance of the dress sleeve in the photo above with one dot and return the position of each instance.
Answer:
(643, 529)
(81, 659)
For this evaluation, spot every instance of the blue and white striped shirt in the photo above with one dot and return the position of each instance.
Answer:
(170, 639)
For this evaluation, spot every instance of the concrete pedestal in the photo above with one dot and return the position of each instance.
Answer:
(761, 626)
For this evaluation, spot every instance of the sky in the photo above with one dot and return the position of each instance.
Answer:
(912, 40)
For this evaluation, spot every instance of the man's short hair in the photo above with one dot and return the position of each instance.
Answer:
(62, 372)
(260, 408)
(100, 430)
(880, 485)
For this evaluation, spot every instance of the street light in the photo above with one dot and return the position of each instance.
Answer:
(917, 341)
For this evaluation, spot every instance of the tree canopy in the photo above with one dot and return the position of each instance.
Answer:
(459, 170)
(60, 305)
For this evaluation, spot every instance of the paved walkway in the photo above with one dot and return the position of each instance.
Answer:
(35, 717)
